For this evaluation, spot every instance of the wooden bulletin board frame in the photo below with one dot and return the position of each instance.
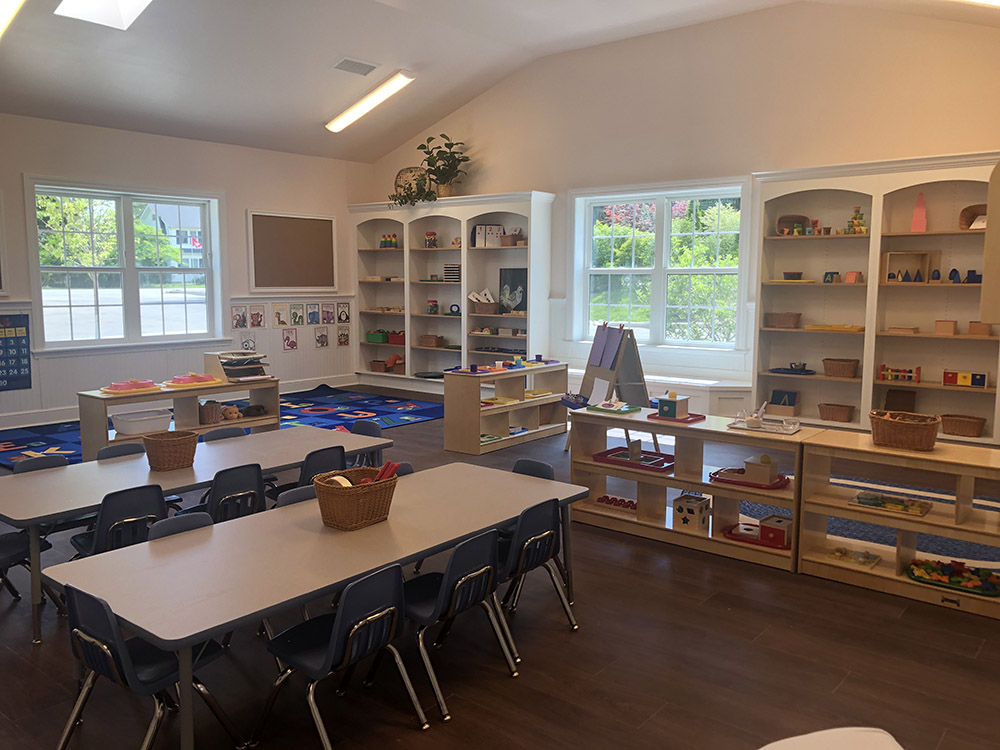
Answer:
(290, 248)
(3, 253)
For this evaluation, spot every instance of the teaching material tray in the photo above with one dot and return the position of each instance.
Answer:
(790, 371)
(689, 419)
(777, 428)
(732, 476)
(661, 463)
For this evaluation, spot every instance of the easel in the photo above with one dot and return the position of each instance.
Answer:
(614, 358)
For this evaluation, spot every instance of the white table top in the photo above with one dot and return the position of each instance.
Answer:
(52, 494)
(177, 590)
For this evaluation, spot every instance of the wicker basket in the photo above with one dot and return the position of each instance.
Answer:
(210, 412)
(903, 429)
(167, 451)
(840, 368)
(788, 221)
(782, 319)
(962, 424)
(350, 508)
(969, 214)
(486, 308)
(431, 340)
(836, 412)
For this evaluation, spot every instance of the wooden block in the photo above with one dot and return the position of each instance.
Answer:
(783, 411)
(691, 513)
(980, 329)
(760, 470)
(946, 327)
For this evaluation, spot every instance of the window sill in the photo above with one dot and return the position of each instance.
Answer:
(138, 346)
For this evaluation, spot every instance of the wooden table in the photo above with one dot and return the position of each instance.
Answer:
(28, 501)
(271, 561)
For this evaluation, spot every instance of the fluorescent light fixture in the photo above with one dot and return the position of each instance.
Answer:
(118, 14)
(372, 99)
(8, 12)
(992, 3)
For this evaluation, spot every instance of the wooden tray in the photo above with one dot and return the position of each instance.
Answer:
(734, 533)
(689, 419)
(131, 392)
(661, 463)
(202, 384)
(728, 476)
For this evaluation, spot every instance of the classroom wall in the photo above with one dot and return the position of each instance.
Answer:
(243, 177)
(799, 85)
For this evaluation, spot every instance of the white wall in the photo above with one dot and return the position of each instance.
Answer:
(800, 85)
(245, 178)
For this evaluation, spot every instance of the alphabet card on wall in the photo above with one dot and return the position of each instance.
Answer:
(238, 314)
(322, 337)
(279, 314)
(328, 313)
(248, 342)
(297, 311)
(343, 335)
(290, 339)
(258, 316)
(312, 314)
(343, 312)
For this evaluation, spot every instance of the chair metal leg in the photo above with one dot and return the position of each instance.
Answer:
(517, 595)
(345, 680)
(220, 715)
(443, 634)
(56, 599)
(376, 663)
(506, 629)
(409, 686)
(304, 612)
(154, 724)
(279, 681)
(509, 593)
(169, 702)
(562, 595)
(445, 716)
(500, 637)
(416, 568)
(6, 584)
(77, 712)
(324, 738)
(227, 639)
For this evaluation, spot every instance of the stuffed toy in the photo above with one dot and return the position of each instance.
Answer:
(254, 410)
(231, 412)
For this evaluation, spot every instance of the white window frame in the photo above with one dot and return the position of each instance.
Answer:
(210, 204)
(658, 350)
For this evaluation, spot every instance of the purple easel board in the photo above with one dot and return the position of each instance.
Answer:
(612, 343)
(597, 351)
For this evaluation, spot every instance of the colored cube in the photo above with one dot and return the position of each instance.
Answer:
(950, 377)
(777, 531)
(673, 406)
(691, 513)
(964, 378)
(978, 379)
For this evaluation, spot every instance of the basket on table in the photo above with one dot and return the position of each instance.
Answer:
(782, 319)
(167, 450)
(840, 368)
(905, 430)
(350, 508)
(836, 412)
(962, 424)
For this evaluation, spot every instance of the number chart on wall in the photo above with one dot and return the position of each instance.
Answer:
(15, 353)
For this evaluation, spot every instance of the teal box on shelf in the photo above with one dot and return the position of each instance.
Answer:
(673, 406)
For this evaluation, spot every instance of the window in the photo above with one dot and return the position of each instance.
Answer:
(121, 268)
(665, 265)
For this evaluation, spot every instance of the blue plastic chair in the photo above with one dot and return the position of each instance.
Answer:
(15, 551)
(38, 463)
(368, 428)
(296, 495)
(235, 492)
(120, 449)
(405, 467)
(534, 544)
(316, 462)
(368, 619)
(223, 433)
(124, 518)
(134, 664)
(470, 578)
(179, 524)
(533, 468)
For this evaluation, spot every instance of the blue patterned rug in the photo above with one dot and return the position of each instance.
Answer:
(323, 406)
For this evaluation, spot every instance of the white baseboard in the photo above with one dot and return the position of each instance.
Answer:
(13, 420)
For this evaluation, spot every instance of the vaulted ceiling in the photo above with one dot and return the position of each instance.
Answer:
(261, 72)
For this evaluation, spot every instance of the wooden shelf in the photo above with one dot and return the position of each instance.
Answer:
(380, 249)
(944, 233)
(498, 315)
(423, 281)
(499, 408)
(498, 336)
(957, 336)
(506, 442)
(439, 315)
(817, 376)
(432, 249)
(508, 247)
(373, 343)
(380, 281)
(380, 312)
(804, 330)
(926, 285)
(817, 236)
(436, 349)
(934, 386)
(248, 422)
(814, 285)
(500, 355)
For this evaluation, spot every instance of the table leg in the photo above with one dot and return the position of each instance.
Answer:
(35, 562)
(184, 694)
(566, 552)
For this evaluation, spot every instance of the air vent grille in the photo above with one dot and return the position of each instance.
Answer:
(354, 66)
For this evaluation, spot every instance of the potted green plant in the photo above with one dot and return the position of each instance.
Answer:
(444, 162)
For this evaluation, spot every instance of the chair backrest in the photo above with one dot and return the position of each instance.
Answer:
(470, 575)
(223, 433)
(235, 492)
(320, 461)
(535, 540)
(125, 516)
(297, 495)
(369, 616)
(179, 524)
(40, 462)
(534, 468)
(405, 467)
(120, 449)
(97, 639)
(367, 427)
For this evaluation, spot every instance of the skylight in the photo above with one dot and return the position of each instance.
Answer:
(118, 14)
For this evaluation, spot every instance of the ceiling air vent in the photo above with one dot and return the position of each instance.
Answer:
(354, 66)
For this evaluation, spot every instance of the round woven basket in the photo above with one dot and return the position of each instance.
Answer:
(350, 508)
(167, 450)
(903, 429)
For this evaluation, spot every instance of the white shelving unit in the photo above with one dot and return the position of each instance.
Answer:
(414, 264)
(887, 200)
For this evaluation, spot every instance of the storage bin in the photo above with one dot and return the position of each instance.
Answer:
(139, 422)
(168, 451)
(377, 337)
(430, 340)
(840, 368)
(969, 214)
(486, 308)
(397, 337)
(962, 424)
(399, 368)
(789, 221)
(782, 319)
(905, 430)
(836, 412)
(377, 365)
(350, 508)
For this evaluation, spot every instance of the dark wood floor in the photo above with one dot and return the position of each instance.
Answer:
(676, 649)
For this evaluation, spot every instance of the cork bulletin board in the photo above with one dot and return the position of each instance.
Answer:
(291, 254)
